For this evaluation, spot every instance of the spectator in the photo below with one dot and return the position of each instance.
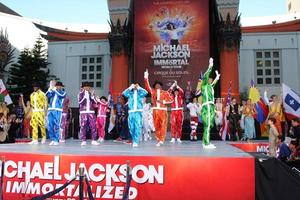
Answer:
(19, 110)
(27, 117)
(295, 150)
(3, 128)
(273, 137)
(296, 129)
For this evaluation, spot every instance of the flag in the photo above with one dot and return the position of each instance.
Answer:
(111, 105)
(225, 128)
(261, 107)
(291, 102)
(4, 96)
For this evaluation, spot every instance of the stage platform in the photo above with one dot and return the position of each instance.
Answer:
(72, 147)
(171, 171)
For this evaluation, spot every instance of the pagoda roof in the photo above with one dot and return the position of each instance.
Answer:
(57, 35)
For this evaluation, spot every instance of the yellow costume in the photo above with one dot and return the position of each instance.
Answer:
(275, 110)
(39, 103)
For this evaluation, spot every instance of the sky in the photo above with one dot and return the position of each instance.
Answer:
(96, 11)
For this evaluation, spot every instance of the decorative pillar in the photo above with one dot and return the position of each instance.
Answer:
(118, 40)
(229, 36)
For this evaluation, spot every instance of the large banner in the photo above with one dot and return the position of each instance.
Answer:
(209, 178)
(171, 40)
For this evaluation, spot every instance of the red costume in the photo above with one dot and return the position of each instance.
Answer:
(101, 118)
(176, 111)
(160, 116)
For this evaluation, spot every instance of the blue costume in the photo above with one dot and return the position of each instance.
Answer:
(56, 98)
(135, 105)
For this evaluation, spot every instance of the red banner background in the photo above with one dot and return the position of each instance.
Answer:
(206, 178)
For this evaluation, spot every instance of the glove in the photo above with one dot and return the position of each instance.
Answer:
(173, 85)
(131, 86)
(86, 94)
(211, 62)
(217, 75)
(146, 74)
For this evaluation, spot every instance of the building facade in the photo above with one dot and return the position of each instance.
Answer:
(270, 53)
(75, 62)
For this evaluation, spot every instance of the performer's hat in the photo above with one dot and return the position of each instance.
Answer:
(36, 84)
(103, 97)
(59, 84)
(158, 82)
(86, 84)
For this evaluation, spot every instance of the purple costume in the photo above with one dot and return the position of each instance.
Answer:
(87, 105)
(64, 119)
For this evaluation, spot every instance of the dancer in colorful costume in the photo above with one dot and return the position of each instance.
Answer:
(87, 105)
(177, 95)
(135, 95)
(65, 120)
(101, 117)
(208, 105)
(39, 103)
(56, 95)
(160, 99)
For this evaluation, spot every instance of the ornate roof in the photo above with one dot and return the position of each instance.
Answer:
(56, 35)
(291, 26)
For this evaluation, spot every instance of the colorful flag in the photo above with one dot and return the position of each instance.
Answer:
(4, 96)
(225, 128)
(291, 102)
(260, 105)
(111, 105)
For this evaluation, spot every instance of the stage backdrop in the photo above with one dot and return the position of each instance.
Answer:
(171, 40)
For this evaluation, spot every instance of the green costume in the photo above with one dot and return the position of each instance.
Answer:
(208, 105)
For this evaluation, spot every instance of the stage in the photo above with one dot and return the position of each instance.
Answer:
(109, 148)
(171, 171)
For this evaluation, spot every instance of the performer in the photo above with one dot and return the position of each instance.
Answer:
(19, 111)
(118, 107)
(249, 112)
(56, 95)
(135, 95)
(160, 99)
(188, 93)
(147, 120)
(273, 137)
(87, 104)
(39, 103)
(195, 110)
(208, 104)
(27, 116)
(125, 135)
(177, 96)
(219, 114)
(234, 117)
(101, 117)
(275, 110)
(65, 120)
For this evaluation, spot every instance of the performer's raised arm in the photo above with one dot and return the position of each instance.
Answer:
(170, 90)
(146, 80)
(266, 99)
(208, 71)
(216, 79)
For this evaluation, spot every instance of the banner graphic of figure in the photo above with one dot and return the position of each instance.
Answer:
(171, 39)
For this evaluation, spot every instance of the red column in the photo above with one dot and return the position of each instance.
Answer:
(229, 72)
(119, 74)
